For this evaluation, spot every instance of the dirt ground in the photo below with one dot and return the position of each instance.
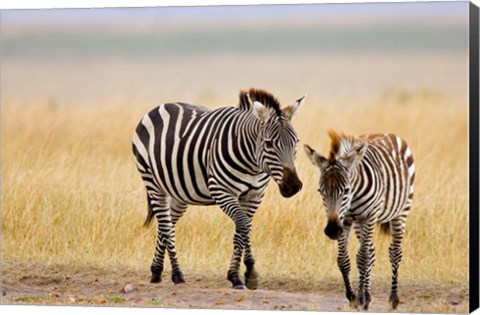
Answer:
(30, 284)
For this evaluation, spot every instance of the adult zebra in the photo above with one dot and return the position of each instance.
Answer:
(189, 155)
(365, 181)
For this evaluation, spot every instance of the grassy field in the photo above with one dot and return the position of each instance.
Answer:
(71, 196)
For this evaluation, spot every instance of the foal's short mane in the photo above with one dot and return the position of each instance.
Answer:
(262, 96)
(341, 144)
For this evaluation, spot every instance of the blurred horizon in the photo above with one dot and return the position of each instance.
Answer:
(150, 32)
(341, 52)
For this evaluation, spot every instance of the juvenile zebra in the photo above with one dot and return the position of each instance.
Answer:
(189, 155)
(365, 181)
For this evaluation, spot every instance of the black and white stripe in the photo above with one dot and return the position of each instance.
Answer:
(189, 155)
(366, 181)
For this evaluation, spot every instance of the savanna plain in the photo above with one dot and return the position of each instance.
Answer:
(73, 205)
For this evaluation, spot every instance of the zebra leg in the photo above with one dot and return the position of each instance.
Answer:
(343, 261)
(251, 274)
(365, 262)
(241, 234)
(176, 212)
(231, 208)
(397, 227)
(250, 206)
(160, 208)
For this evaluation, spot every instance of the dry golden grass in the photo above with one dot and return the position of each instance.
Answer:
(71, 195)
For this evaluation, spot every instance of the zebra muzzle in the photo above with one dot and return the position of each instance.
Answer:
(290, 184)
(333, 229)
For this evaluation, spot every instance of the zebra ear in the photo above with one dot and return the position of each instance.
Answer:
(317, 159)
(291, 110)
(260, 111)
(352, 158)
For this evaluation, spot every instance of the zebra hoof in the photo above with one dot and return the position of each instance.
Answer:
(352, 301)
(360, 301)
(394, 301)
(353, 304)
(156, 278)
(177, 278)
(233, 277)
(240, 286)
(251, 280)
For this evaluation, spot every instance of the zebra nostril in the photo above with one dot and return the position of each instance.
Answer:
(300, 185)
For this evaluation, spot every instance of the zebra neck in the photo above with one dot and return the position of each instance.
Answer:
(248, 134)
(355, 178)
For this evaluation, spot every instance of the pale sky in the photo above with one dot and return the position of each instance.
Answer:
(392, 12)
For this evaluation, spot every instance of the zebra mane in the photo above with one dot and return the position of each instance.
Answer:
(341, 144)
(262, 96)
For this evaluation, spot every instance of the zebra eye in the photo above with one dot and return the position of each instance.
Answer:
(268, 144)
(346, 190)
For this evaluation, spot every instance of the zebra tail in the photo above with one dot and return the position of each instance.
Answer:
(150, 214)
(385, 228)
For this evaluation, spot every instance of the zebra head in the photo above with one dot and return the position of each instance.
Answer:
(276, 144)
(335, 179)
